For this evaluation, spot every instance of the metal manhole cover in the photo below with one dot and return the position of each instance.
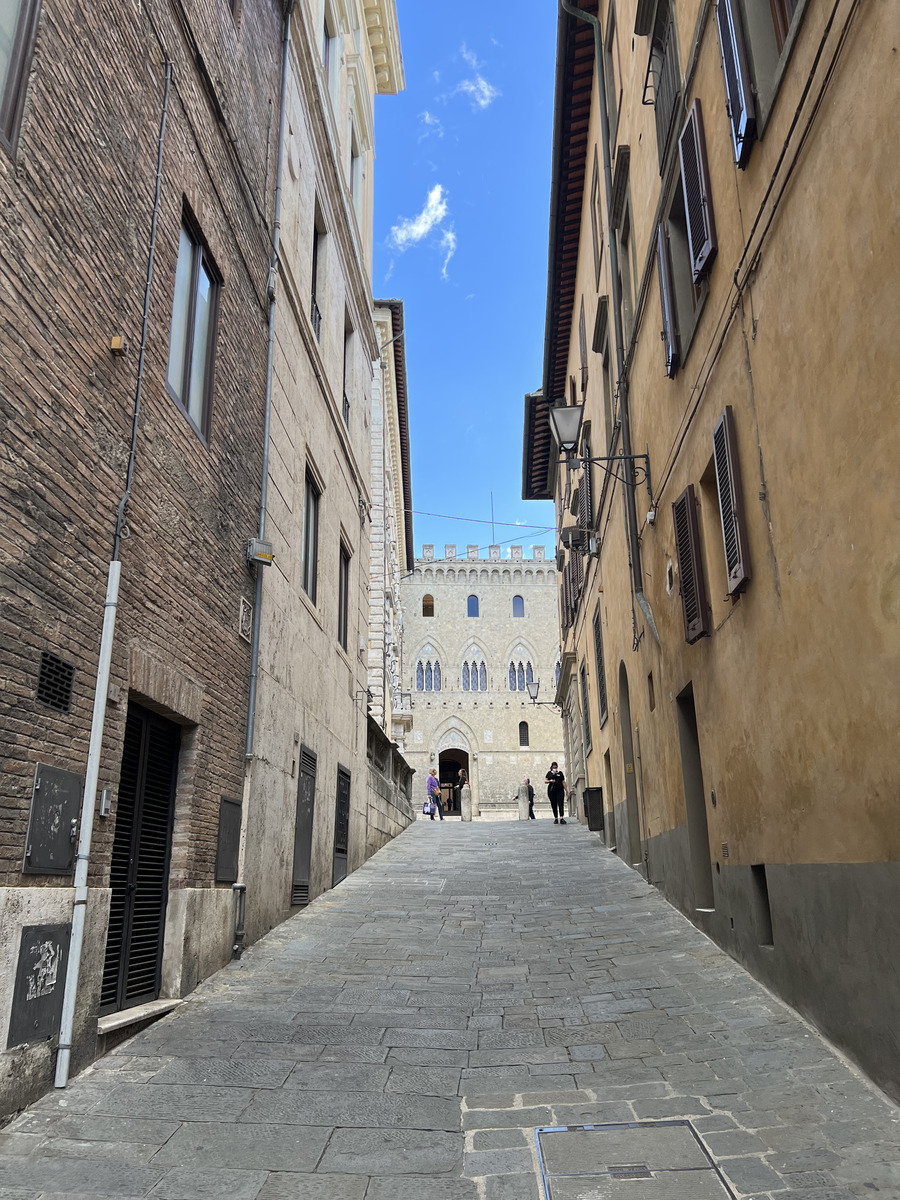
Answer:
(602, 1162)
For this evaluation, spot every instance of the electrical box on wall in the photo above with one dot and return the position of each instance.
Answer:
(53, 822)
(40, 980)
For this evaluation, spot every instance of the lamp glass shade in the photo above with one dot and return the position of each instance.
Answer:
(533, 688)
(565, 421)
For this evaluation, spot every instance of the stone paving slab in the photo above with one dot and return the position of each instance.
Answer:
(402, 1038)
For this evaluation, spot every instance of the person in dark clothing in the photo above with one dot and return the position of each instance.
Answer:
(556, 791)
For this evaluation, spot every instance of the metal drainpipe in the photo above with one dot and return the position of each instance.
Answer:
(101, 683)
(634, 549)
(240, 887)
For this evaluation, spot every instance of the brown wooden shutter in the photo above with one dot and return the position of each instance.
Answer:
(585, 505)
(667, 301)
(701, 223)
(740, 105)
(731, 502)
(582, 347)
(690, 566)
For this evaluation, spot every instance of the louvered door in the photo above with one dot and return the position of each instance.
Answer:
(139, 869)
(306, 802)
(341, 826)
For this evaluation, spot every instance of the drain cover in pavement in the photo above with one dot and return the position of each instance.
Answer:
(647, 1160)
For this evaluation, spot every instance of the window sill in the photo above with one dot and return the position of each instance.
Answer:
(311, 608)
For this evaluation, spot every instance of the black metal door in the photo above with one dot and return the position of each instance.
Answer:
(341, 826)
(139, 872)
(306, 801)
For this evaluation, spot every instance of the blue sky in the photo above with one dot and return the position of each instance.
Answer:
(462, 186)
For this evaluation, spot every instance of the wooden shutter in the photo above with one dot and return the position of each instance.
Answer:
(582, 348)
(701, 224)
(740, 105)
(585, 505)
(667, 302)
(731, 502)
(601, 669)
(690, 566)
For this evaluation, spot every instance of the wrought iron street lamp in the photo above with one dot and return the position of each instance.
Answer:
(565, 423)
(533, 688)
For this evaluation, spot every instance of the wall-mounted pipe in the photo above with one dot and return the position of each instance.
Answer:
(101, 683)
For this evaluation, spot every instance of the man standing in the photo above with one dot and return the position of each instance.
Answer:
(557, 792)
(531, 816)
(434, 793)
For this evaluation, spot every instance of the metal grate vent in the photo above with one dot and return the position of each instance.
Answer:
(245, 620)
(55, 682)
(300, 894)
(630, 1173)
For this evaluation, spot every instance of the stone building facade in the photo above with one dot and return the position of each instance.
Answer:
(139, 210)
(723, 298)
(475, 632)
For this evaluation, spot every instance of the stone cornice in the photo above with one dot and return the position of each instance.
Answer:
(384, 43)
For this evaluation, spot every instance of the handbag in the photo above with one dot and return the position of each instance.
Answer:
(429, 808)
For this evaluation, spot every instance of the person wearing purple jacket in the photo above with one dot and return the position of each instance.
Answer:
(434, 793)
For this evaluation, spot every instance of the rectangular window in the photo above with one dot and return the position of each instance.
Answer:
(330, 53)
(357, 174)
(596, 221)
(18, 30)
(348, 369)
(601, 347)
(613, 70)
(764, 31)
(317, 298)
(664, 76)
(681, 299)
(582, 348)
(311, 537)
(601, 670)
(585, 710)
(192, 334)
(627, 270)
(343, 595)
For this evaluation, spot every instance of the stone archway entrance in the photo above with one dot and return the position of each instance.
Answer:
(449, 764)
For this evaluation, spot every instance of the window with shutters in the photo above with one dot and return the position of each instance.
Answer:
(18, 30)
(601, 347)
(585, 709)
(681, 300)
(731, 503)
(701, 223)
(596, 221)
(662, 85)
(756, 38)
(319, 272)
(586, 498)
(613, 74)
(602, 701)
(582, 347)
(691, 582)
(627, 268)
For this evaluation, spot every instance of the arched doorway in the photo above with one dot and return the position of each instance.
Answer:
(450, 762)
(632, 852)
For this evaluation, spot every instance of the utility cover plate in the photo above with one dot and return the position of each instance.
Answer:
(652, 1160)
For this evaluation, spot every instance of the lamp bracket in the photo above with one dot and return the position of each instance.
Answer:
(640, 469)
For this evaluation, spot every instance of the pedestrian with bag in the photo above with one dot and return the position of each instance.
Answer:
(527, 782)
(433, 803)
(557, 792)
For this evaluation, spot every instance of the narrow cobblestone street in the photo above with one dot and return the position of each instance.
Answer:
(406, 1035)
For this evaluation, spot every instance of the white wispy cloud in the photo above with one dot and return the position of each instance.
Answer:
(480, 92)
(431, 126)
(448, 245)
(469, 56)
(411, 230)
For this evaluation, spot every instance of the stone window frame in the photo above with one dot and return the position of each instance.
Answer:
(15, 85)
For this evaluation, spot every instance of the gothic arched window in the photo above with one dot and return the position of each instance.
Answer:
(483, 677)
(473, 673)
(428, 677)
(529, 674)
(437, 676)
(512, 677)
(472, 606)
(465, 677)
(518, 606)
(520, 675)
(428, 606)
(420, 677)
(523, 733)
